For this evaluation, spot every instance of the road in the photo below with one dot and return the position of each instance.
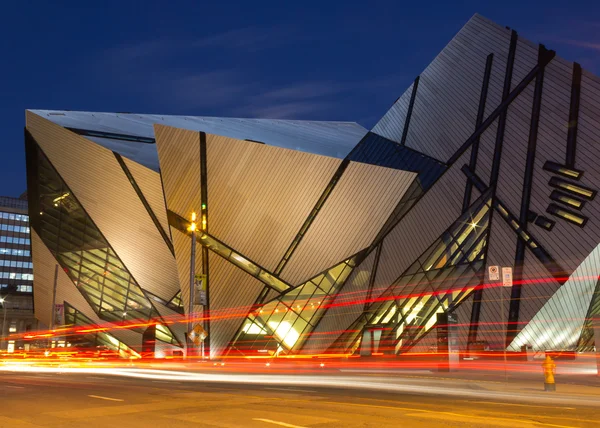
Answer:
(90, 400)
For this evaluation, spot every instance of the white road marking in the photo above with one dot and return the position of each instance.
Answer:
(105, 398)
(283, 424)
(519, 405)
(289, 389)
(13, 386)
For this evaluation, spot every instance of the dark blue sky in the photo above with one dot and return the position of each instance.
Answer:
(325, 60)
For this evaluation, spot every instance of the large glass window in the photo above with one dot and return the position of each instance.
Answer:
(83, 252)
(73, 317)
(283, 324)
(441, 278)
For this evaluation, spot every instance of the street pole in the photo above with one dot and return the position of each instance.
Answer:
(507, 281)
(192, 283)
(502, 333)
(3, 301)
(53, 312)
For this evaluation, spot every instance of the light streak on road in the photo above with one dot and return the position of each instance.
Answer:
(432, 386)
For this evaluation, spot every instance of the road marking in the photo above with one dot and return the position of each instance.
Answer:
(105, 398)
(289, 389)
(13, 386)
(283, 424)
(520, 405)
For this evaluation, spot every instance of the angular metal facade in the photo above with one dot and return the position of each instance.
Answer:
(323, 237)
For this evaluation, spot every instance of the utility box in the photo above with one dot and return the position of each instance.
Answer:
(447, 342)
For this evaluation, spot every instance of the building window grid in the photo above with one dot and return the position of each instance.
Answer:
(67, 230)
(286, 307)
(474, 224)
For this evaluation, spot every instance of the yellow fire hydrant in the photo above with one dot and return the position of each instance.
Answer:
(549, 367)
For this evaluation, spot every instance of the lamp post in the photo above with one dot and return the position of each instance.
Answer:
(190, 326)
(3, 301)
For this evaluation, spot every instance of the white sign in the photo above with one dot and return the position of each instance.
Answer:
(507, 277)
(494, 273)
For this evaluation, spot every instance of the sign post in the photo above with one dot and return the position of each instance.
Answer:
(200, 299)
(507, 281)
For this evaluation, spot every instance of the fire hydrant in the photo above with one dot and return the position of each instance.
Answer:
(549, 367)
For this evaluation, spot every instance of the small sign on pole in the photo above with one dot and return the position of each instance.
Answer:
(494, 273)
(200, 290)
(507, 277)
(59, 311)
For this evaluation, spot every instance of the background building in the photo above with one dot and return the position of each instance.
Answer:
(323, 237)
(16, 272)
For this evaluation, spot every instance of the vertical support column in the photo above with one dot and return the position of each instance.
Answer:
(478, 122)
(204, 228)
(411, 104)
(478, 294)
(515, 295)
(192, 298)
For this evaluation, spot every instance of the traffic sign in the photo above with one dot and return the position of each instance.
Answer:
(494, 273)
(507, 277)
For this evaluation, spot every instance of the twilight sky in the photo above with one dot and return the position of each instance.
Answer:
(325, 60)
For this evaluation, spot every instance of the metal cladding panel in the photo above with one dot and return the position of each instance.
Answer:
(98, 182)
(345, 308)
(232, 292)
(566, 242)
(426, 344)
(182, 246)
(526, 56)
(514, 151)
(259, 196)
(334, 139)
(421, 226)
(150, 184)
(445, 107)
(179, 154)
(131, 338)
(357, 208)
(44, 265)
(463, 315)
(559, 323)
(271, 294)
(392, 123)
(485, 156)
(538, 288)
(496, 299)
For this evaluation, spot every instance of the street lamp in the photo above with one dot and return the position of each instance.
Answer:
(193, 227)
(3, 301)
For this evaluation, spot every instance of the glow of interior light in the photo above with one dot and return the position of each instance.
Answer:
(194, 216)
(473, 225)
(285, 332)
(60, 198)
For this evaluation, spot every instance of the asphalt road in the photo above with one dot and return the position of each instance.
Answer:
(96, 400)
